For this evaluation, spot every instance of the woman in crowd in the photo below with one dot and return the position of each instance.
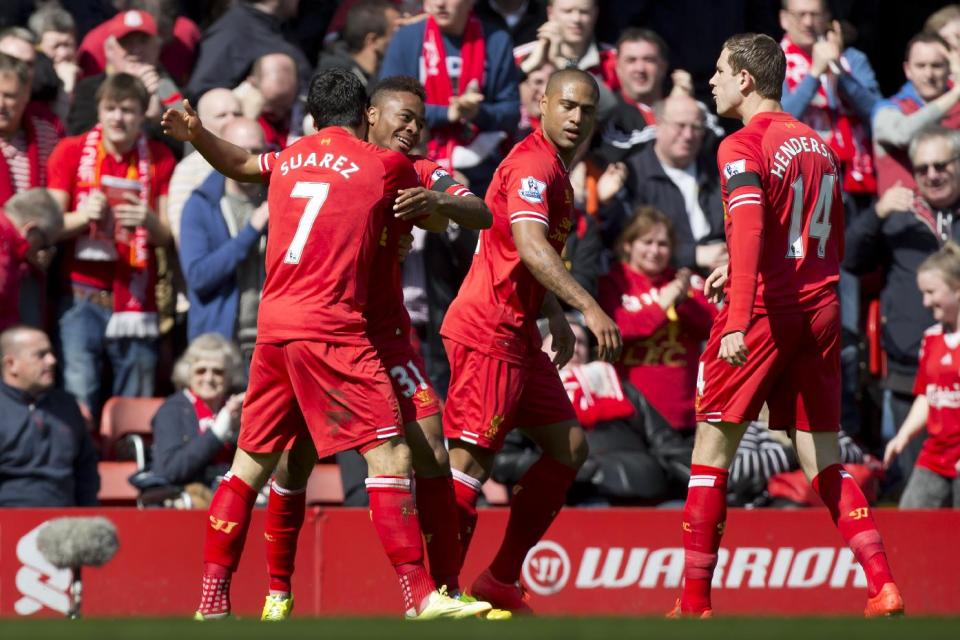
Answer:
(934, 482)
(195, 430)
(662, 315)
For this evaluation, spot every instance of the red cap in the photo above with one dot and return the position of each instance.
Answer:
(127, 22)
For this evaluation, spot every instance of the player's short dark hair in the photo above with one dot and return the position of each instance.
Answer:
(761, 57)
(557, 78)
(638, 34)
(397, 84)
(645, 218)
(366, 16)
(924, 37)
(19, 68)
(336, 98)
(123, 86)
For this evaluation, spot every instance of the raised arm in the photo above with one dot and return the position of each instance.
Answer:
(229, 159)
(546, 266)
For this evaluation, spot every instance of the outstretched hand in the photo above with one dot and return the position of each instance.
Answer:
(184, 125)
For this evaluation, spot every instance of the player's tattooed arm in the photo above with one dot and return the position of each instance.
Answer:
(546, 266)
(229, 159)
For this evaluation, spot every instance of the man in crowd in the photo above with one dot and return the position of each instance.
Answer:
(112, 183)
(673, 176)
(831, 88)
(521, 18)
(895, 236)
(216, 108)
(500, 379)
(56, 36)
(925, 99)
(274, 80)
(363, 40)
(222, 251)
(29, 224)
(47, 458)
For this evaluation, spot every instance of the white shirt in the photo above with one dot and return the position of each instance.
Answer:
(686, 181)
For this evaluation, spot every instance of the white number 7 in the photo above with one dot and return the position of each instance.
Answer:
(819, 221)
(316, 192)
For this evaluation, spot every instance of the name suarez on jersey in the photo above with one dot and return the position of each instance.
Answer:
(792, 147)
(339, 163)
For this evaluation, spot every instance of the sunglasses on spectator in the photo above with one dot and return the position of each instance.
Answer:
(217, 371)
(939, 167)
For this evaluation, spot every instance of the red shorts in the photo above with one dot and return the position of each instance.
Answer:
(339, 394)
(793, 364)
(489, 397)
(412, 387)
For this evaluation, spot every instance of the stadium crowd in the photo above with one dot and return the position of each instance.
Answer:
(130, 268)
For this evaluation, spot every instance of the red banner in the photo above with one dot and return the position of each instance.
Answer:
(591, 562)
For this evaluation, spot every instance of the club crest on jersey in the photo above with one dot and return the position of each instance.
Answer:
(733, 168)
(532, 190)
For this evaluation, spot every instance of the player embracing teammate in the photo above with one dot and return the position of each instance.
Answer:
(777, 341)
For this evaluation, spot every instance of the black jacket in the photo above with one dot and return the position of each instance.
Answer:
(47, 458)
(181, 454)
(897, 245)
(648, 184)
(337, 57)
(525, 30)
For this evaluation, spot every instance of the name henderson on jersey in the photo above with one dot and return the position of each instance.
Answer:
(792, 147)
(296, 161)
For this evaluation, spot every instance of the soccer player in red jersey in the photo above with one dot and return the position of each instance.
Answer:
(314, 372)
(934, 482)
(500, 379)
(778, 339)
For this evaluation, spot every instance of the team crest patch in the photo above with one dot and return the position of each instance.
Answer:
(733, 168)
(532, 190)
(437, 174)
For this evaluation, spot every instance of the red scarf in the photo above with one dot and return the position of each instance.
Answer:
(206, 419)
(440, 89)
(596, 393)
(840, 127)
(134, 279)
(37, 171)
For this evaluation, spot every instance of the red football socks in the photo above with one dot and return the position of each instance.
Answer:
(466, 490)
(394, 517)
(285, 513)
(704, 516)
(437, 506)
(851, 513)
(537, 499)
(229, 520)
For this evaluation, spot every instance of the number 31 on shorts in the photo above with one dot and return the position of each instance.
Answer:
(408, 385)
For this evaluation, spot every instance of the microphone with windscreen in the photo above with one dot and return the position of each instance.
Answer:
(74, 543)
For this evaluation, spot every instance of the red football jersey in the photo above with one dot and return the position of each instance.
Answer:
(499, 302)
(938, 378)
(783, 166)
(330, 195)
(386, 314)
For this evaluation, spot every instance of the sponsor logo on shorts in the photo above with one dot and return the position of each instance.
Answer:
(532, 190)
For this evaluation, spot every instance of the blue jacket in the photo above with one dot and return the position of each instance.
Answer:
(859, 87)
(500, 109)
(209, 257)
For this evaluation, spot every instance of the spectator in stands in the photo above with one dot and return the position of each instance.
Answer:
(662, 314)
(230, 46)
(29, 224)
(56, 36)
(46, 96)
(222, 249)
(467, 69)
(934, 482)
(830, 87)
(946, 24)
(216, 108)
(531, 90)
(47, 458)
(520, 18)
(132, 47)
(675, 177)
(364, 39)
(274, 81)
(179, 39)
(195, 430)
(112, 183)
(896, 236)
(927, 98)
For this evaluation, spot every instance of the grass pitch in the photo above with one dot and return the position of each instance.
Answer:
(527, 629)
